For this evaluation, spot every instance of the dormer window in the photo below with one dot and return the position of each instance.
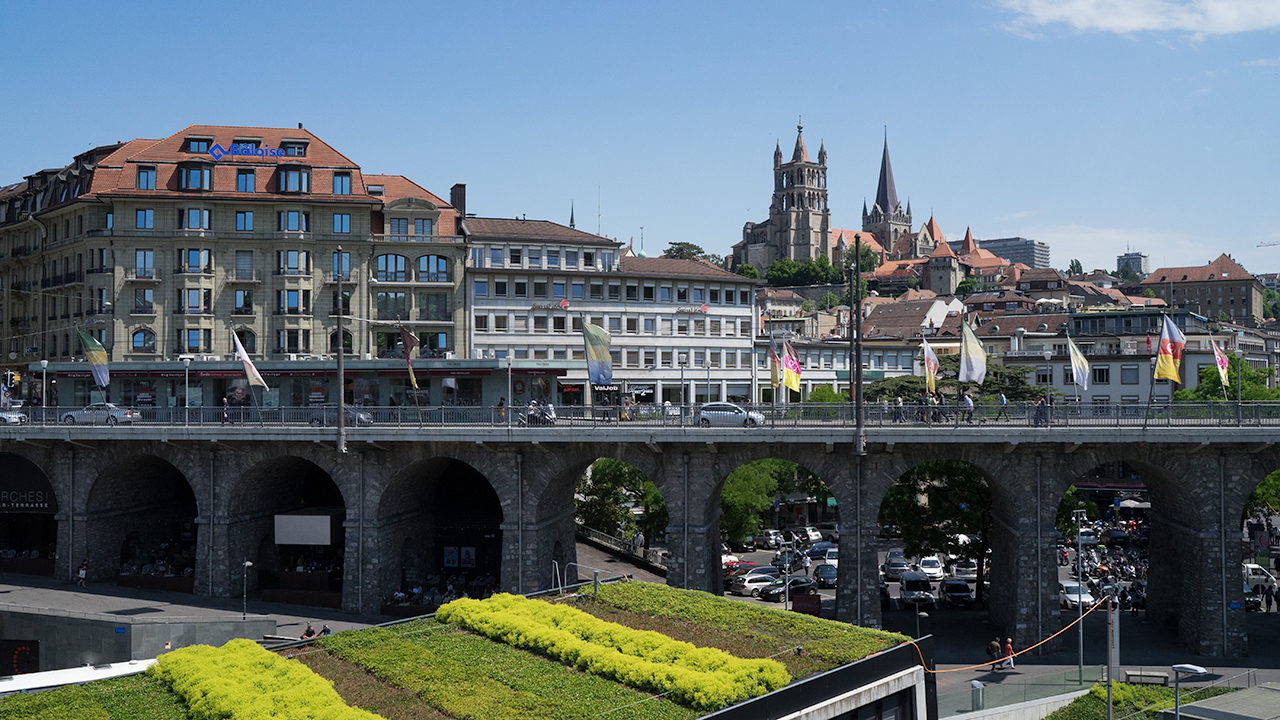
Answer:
(375, 190)
(293, 149)
(193, 176)
(294, 179)
(196, 145)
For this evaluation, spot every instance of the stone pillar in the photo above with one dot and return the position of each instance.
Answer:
(694, 555)
(857, 518)
(1024, 601)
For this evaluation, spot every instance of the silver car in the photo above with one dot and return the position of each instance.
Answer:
(12, 417)
(723, 414)
(100, 414)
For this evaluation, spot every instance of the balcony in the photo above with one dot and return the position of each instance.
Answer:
(193, 270)
(400, 237)
(391, 276)
(435, 277)
(246, 310)
(393, 315)
(243, 275)
(293, 272)
(141, 274)
(293, 311)
(75, 277)
(432, 315)
(332, 278)
(192, 311)
(92, 271)
(143, 309)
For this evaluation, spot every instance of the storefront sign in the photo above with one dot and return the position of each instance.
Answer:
(553, 372)
(699, 310)
(469, 372)
(562, 305)
(27, 493)
(604, 388)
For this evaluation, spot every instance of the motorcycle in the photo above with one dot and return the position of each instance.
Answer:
(1063, 559)
(538, 414)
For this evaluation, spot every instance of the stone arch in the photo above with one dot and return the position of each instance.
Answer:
(146, 494)
(28, 524)
(285, 513)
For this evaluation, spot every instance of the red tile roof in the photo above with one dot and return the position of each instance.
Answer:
(673, 267)
(1224, 268)
(517, 229)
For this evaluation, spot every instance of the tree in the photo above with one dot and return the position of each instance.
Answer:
(747, 271)
(1265, 499)
(1075, 268)
(870, 260)
(683, 251)
(806, 306)
(1271, 303)
(1065, 521)
(830, 300)
(1127, 274)
(824, 394)
(1009, 379)
(748, 491)
(1253, 384)
(936, 502)
(1148, 293)
(609, 489)
(966, 286)
(717, 260)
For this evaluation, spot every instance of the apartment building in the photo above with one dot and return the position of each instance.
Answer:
(1221, 289)
(160, 249)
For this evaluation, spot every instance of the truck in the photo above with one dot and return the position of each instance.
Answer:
(1257, 578)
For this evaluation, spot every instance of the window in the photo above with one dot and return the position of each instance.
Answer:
(499, 288)
(111, 220)
(147, 180)
(571, 258)
(142, 301)
(648, 293)
(433, 268)
(615, 292)
(244, 303)
(539, 323)
(292, 221)
(577, 291)
(433, 306)
(481, 288)
(143, 263)
(144, 341)
(195, 261)
(293, 149)
(342, 183)
(606, 259)
(535, 257)
(423, 228)
(244, 221)
(648, 326)
(292, 302)
(247, 339)
(516, 255)
(197, 145)
(477, 258)
(375, 190)
(500, 323)
(294, 180)
(697, 295)
(245, 181)
(1044, 375)
(341, 222)
(1101, 374)
(714, 298)
(682, 294)
(615, 325)
(744, 328)
(699, 326)
(557, 323)
(715, 328)
(588, 259)
(1128, 374)
(482, 323)
(540, 289)
(664, 294)
(292, 262)
(398, 228)
(682, 326)
(557, 291)
(146, 220)
(553, 258)
(576, 323)
(392, 306)
(744, 297)
(193, 219)
(597, 291)
(633, 325)
(196, 177)
(391, 268)
(495, 257)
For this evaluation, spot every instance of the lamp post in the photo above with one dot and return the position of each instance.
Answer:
(1048, 380)
(44, 389)
(1079, 516)
(684, 359)
(186, 390)
(920, 614)
(244, 612)
(1239, 378)
(511, 399)
(1177, 682)
(339, 274)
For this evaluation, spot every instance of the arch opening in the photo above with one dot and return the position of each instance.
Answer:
(28, 530)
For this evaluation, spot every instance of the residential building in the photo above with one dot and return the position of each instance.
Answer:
(1220, 290)
(1032, 253)
(1137, 262)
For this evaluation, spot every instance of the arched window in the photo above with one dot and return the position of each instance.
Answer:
(144, 341)
(248, 339)
(433, 268)
(391, 268)
(346, 342)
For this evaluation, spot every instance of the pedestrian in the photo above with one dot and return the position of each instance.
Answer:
(1008, 653)
(993, 652)
(1004, 408)
(325, 630)
(226, 411)
(968, 408)
(899, 414)
(1040, 411)
(502, 409)
(308, 633)
(809, 561)
(82, 575)
(1269, 596)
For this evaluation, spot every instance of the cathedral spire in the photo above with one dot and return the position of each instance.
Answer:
(886, 193)
(800, 154)
(822, 153)
(570, 213)
(777, 154)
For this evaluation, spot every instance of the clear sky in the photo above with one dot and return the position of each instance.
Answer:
(1093, 125)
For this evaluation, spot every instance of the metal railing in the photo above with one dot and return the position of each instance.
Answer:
(994, 695)
(745, 417)
(653, 556)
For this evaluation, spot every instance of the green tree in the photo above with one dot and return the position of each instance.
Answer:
(1127, 274)
(609, 489)
(870, 260)
(830, 300)
(683, 251)
(1009, 379)
(1271, 303)
(1065, 521)
(966, 286)
(1148, 293)
(806, 306)
(748, 271)
(781, 273)
(1253, 385)
(1075, 268)
(937, 501)
(748, 491)
(717, 260)
(825, 394)
(1265, 499)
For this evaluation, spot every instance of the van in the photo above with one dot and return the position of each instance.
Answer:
(916, 590)
(1257, 578)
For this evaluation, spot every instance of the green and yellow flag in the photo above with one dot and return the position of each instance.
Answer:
(97, 356)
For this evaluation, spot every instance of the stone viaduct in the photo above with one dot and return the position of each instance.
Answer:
(513, 489)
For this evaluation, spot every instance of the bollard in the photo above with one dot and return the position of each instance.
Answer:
(596, 579)
(977, 696)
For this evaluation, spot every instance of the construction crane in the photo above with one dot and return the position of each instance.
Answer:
(1268, 244)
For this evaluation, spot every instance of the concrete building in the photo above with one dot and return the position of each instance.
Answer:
(1137, 262)
(1032, 253)
(1221, 289)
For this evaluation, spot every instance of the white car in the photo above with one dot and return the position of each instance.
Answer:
(810, 532)
(12, 417)
(728, 559)
(932, 567)
(1072, 594)
(1257, 577)
(832, 558)
(966, 570)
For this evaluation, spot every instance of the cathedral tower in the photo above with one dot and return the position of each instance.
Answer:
(888, 221)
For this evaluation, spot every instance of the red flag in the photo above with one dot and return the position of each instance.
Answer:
(1148, 343)
(410, 342)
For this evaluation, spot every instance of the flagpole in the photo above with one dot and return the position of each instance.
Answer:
(342, 410)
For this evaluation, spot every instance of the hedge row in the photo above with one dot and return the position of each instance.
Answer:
(132, 697)
(704, 678)
(242, 681)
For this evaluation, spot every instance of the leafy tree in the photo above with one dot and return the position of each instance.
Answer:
(607, 491)
(787, 272)
(1148, 293)
(1065, 521)
(870, 260)
(806, 306)
(1271, 303)
(1265, 499)
(748, 491)
(830, 300)
(1075, 268)
(1127, 274)
(1253, 384)
(684, 251)
(747, 271)
(937, 501)
(1009, 379)
(717, 260)
(966, 286)
(825, 394)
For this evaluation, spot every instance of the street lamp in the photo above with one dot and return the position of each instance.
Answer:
(186, 390)
(1080, 517)
(1177, 679)
(44, 389)
(684, 360)
(920, 614)
(1048, 380)
(244, 613)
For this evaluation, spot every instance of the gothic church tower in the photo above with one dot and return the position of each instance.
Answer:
(799, 219)
(888, 221)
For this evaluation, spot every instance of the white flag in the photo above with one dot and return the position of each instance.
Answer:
(249, 370)
(973, 359)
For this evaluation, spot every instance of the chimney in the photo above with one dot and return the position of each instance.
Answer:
(299, 126)
(458, 198)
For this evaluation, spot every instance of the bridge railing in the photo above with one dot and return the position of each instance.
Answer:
(693, 416)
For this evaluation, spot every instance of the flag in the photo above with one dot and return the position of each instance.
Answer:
(973, 359)
(930, 367)
(410, 342)
(1220, 359)
(790, 367)
(97, 359)
(775, 366)
(1079, 365)
(251, 372)
(599, 363)
(1169, 361)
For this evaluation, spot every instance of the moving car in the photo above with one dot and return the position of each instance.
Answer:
(915, 590)
(750, 583)
(825, 575)
(1087, 537)
(1072, 594)
(819, 550)
(792, 586)
(1252, 600)
(100, 414)
(723, 414)
(955, 593)
(896, 565)
(932, 567)
(832, 557)
(788, 560)
(1118, 538)
(966, 570)
(327, 415)
(12, 417)
(747, 545)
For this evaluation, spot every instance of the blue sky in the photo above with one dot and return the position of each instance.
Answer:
(1093, 125)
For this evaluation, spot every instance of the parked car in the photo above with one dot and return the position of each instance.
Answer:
(932, 567)
(743, 546)
(100, 414)
(1087, 537)
(1072, 594)
(955, 593)
(723, 414)
(916, 591)
(829, 531)
(1117, 538)
(750, 583)
(771, 539)
(819, 550)
(736, 565)
(895, 566)
(732, 574)
(825, 575)
(832, 557)
(788, 560)
(885, 600)
(1252, 600)
(726, 559)
(12, 417)
(810, 533)
(792, 586)
(966, 570)
(327, 415)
